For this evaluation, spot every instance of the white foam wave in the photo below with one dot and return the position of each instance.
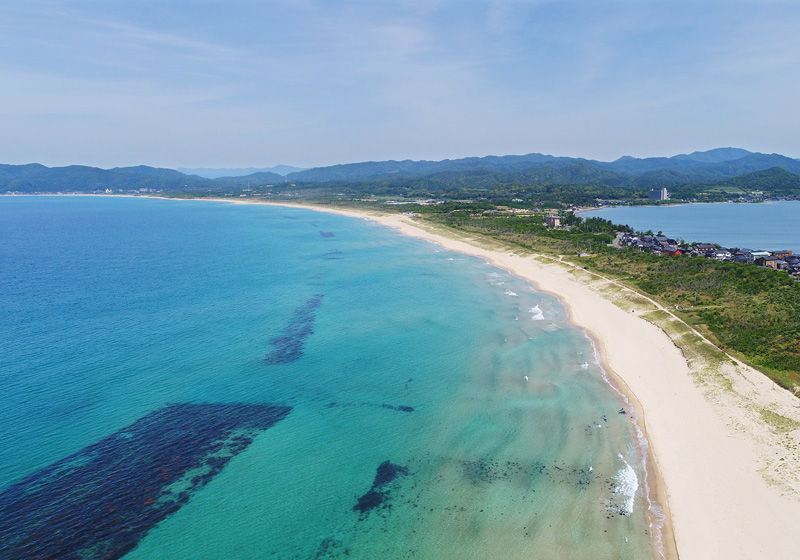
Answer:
(536, 313)
(585, 365)
(626, 483)
(510, 293)
(655, 513)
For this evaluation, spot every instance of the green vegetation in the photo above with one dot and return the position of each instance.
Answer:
(752, 311)
(530, 232)
(778, 422)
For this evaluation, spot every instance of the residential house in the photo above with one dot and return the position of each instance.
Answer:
(721, 254)
(702, 249)
(768, 261)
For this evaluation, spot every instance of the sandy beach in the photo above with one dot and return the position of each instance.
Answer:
(723, 437)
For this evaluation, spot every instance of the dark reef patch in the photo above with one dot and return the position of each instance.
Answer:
(399, 408)
(331, 548)
(288, 347)
(387, 472)
(327, 234)
(379, 494)
(369, 501)
(482, 471)
(101, 501)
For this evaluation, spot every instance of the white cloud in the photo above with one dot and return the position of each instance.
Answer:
(321, 82)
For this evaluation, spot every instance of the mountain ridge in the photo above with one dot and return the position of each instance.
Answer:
(712, 166)
(31, 178)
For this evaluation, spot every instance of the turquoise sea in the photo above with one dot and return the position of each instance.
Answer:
(203, 380)
(769, 226)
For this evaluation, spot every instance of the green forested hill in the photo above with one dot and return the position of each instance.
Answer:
(684, 174)
(698, 167)
(774, 181)
(36, 178)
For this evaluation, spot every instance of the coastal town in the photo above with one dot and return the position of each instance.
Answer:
(777, 260)
(659, 244)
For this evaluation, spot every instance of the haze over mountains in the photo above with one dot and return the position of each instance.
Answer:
(217, 172)
(712, 166)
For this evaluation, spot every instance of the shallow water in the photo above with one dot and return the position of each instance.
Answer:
(413, 431)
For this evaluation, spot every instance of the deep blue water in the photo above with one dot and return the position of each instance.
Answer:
(769, 226)
(193, 379)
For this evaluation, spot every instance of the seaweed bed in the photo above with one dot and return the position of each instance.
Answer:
(288, 347)
(399, 408)
(101, 501)
(378, 494)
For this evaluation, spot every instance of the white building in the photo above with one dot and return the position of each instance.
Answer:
(658, 194)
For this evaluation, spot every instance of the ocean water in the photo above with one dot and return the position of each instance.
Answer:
(768, 226)
(194, 380)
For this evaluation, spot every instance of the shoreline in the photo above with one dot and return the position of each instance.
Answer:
(723, 441)
(657, 511)
(664, 544)
(722, 496)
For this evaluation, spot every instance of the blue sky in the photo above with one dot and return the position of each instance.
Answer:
(309, 83)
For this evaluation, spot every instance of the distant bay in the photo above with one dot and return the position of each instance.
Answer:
(768, 226)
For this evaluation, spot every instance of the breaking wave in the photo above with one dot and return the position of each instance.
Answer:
(655, 513)
(626, 483)
(536, 313)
